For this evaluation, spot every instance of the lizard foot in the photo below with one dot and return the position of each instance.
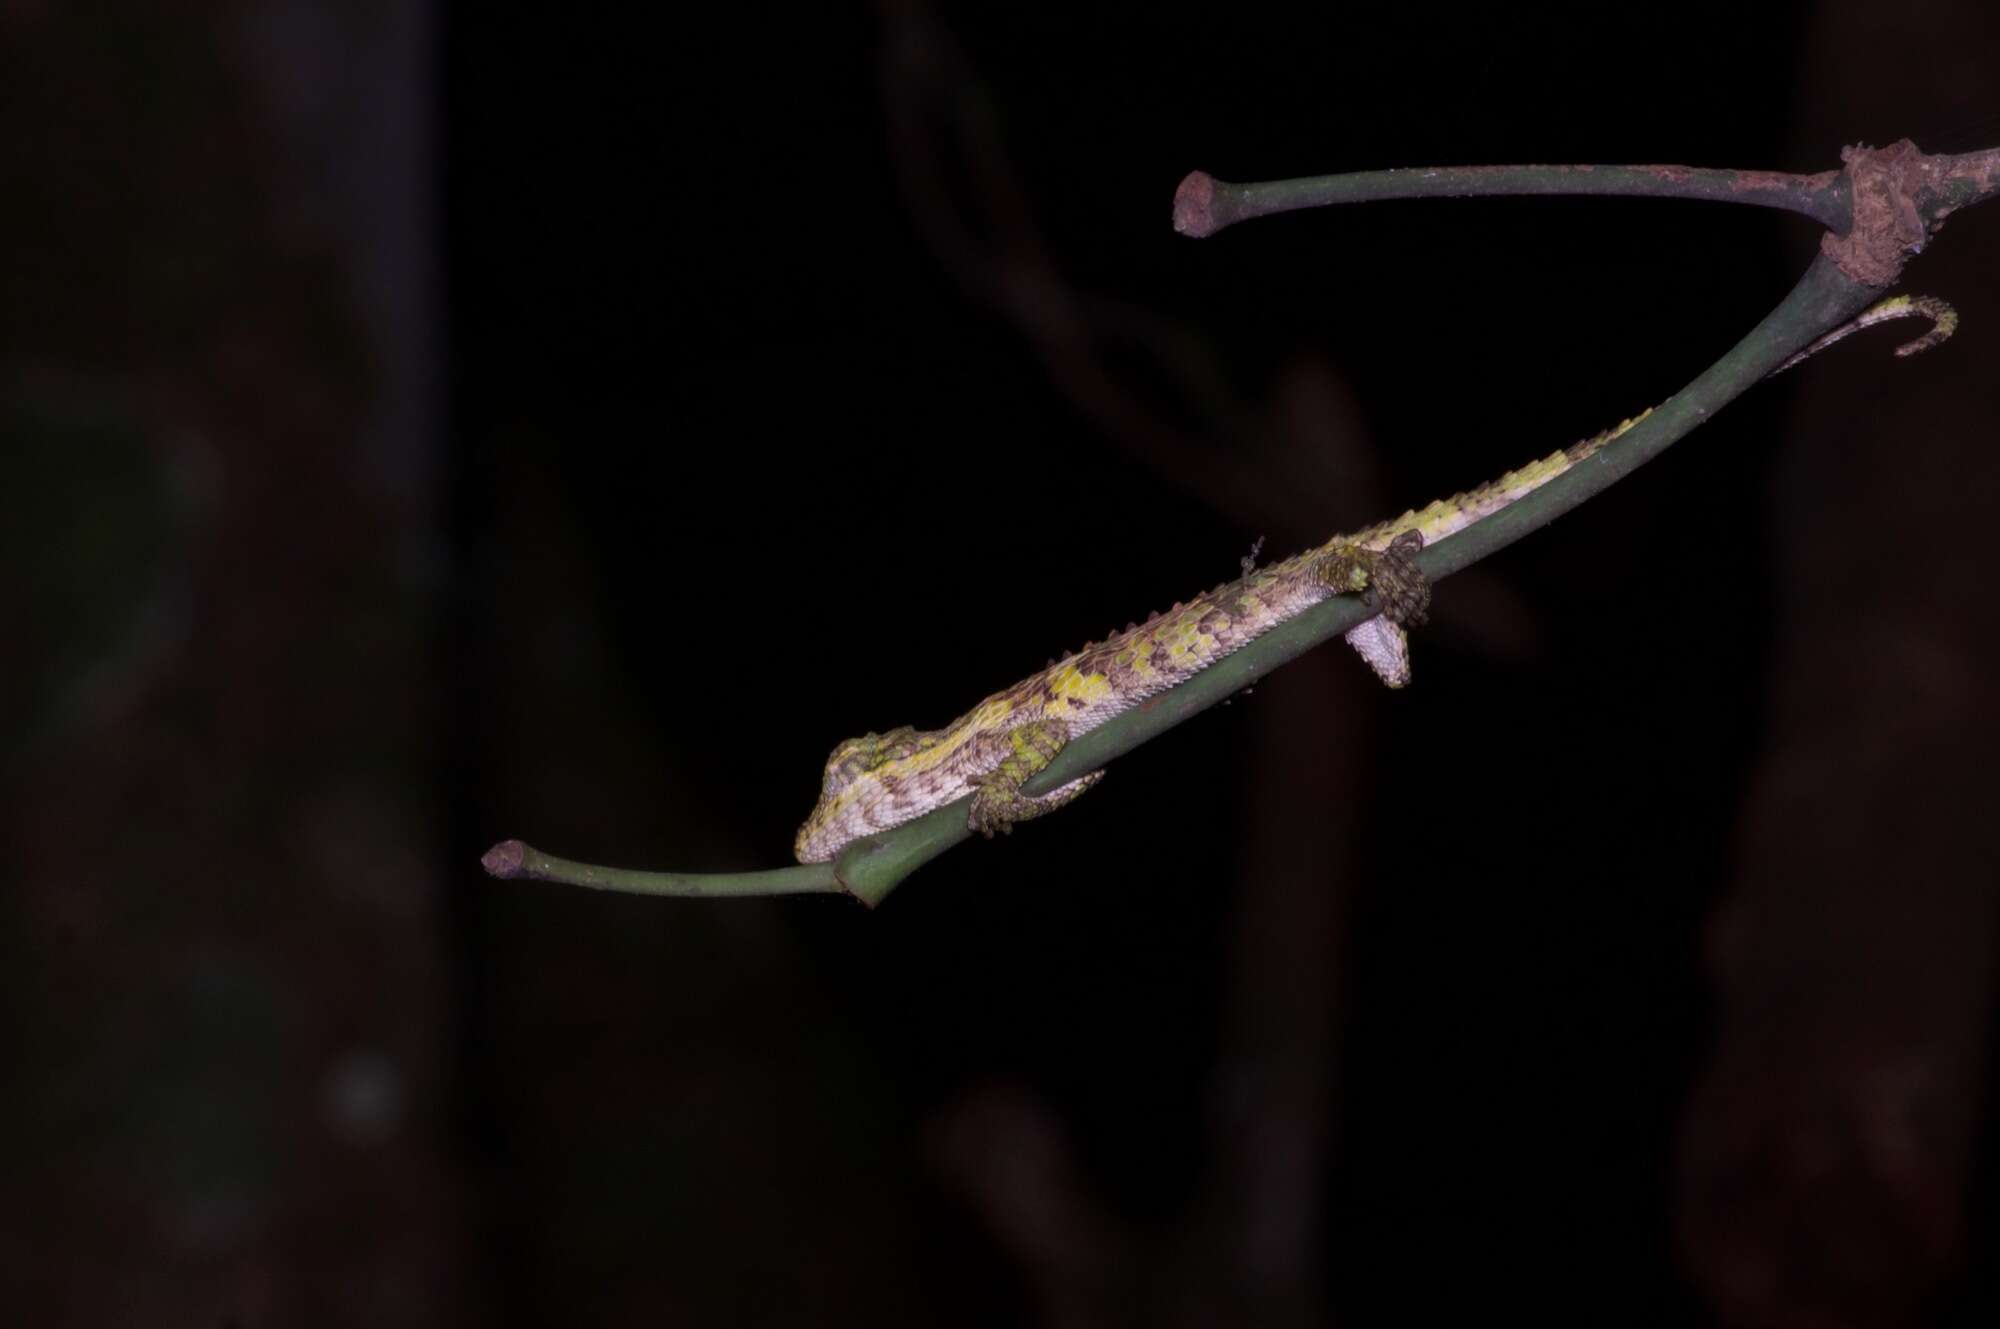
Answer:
(1395, 586)
(1390, 583)
(997, 801)
(1387, 580)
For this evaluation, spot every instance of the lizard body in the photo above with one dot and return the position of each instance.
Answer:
(879, 781)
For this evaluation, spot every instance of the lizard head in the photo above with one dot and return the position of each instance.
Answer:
(851, 791)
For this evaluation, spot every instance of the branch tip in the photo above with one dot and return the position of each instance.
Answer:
(505, 860)
(1194, 203)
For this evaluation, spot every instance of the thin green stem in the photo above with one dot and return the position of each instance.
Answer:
(511, 859)
(1204, 205)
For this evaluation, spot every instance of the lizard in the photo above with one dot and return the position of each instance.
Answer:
(879, 781)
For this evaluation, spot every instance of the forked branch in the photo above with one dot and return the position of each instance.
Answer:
(1881, 207)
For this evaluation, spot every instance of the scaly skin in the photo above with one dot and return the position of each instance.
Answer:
(882, 780)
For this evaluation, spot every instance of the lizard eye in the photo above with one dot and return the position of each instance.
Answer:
(870, 752)
(847, 762)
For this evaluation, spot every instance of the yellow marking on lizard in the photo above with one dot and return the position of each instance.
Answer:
(878, 781)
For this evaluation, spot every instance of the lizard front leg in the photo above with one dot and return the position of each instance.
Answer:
(1022, 751)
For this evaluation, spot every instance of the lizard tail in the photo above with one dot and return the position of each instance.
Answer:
(1944, 322)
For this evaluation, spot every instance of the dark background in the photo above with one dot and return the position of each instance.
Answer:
(425, 425)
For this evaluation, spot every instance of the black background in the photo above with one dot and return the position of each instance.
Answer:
(800, 372)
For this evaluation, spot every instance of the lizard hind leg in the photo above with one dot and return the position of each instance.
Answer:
(1388, 578)
(1024, 750)
(1390, 582)
(1396, 586)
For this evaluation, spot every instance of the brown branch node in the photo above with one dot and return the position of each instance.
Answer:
(1888, 225)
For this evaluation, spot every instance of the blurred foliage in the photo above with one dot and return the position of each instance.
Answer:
(88, 536)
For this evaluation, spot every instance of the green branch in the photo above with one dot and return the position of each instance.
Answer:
(1204, 205)
(511, 860)
(1936, 186)
(1882, 207)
